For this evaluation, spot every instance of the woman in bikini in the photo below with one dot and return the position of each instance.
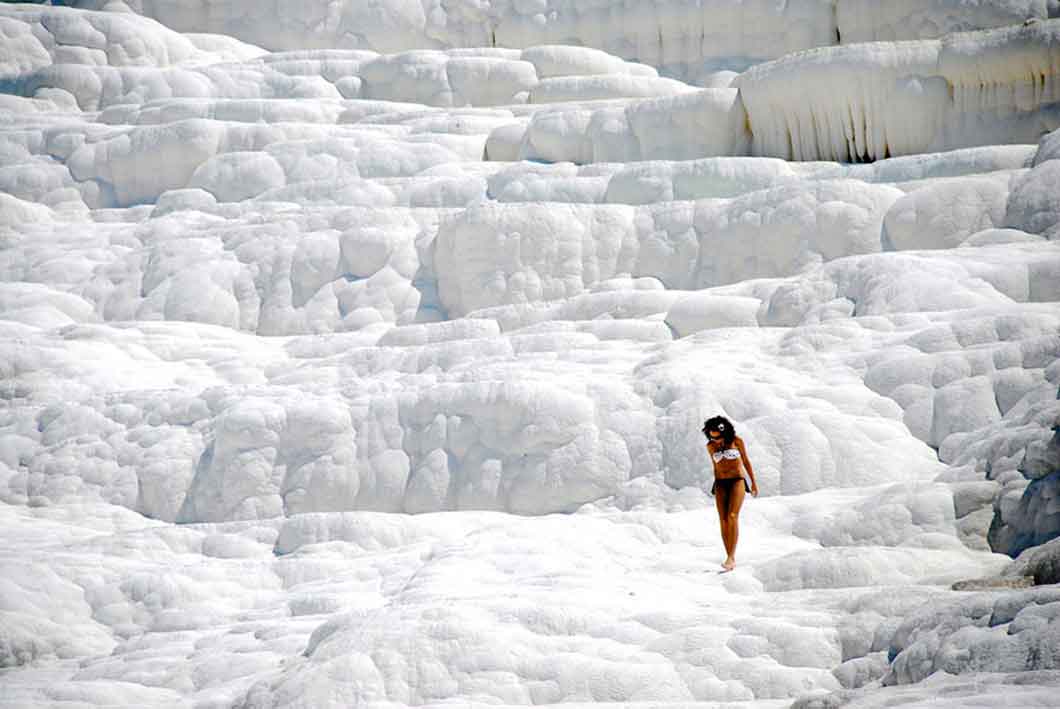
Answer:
(730, 460)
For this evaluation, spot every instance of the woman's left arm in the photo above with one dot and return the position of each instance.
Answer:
(747, 466)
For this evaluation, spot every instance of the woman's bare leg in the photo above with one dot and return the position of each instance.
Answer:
(728, 501)
(735, 502)
(723, 502)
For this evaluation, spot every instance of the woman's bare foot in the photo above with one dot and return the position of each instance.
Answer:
(729, 564)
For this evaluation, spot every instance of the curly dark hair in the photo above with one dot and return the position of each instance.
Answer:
(722, 425)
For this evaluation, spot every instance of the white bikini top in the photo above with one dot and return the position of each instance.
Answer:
(730, 453)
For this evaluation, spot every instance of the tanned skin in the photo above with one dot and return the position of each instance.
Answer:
(728, 497)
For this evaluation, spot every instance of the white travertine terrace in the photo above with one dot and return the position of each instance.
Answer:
(869, 101)
(364, 365)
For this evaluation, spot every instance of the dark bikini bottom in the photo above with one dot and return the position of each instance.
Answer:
(729, 483)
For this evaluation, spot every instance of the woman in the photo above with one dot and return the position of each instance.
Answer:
(730, 460)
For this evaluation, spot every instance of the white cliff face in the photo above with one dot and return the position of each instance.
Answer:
(861, 102)
(367, 365)
(689, 40)
(871, 101)
(675, 35)
(867, 21)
